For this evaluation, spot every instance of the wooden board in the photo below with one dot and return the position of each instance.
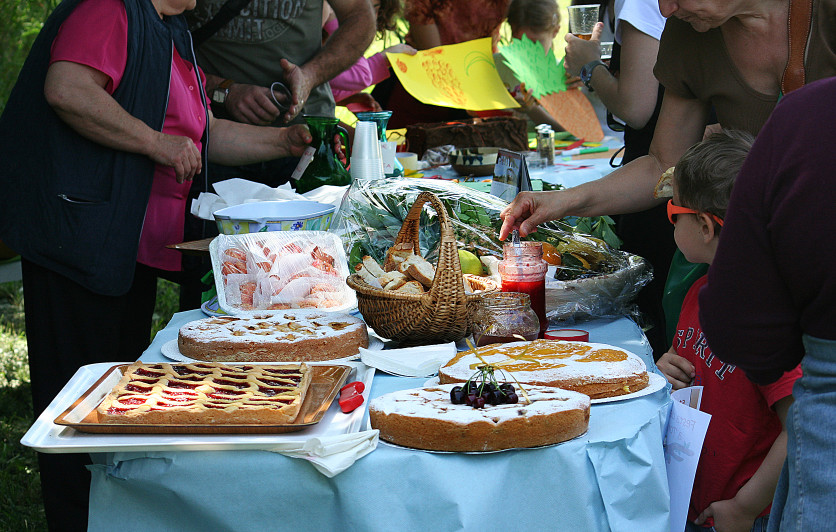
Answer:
(195, 247)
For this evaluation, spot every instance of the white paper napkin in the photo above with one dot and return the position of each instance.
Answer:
(421, 361)
(327, 194)
(331, 455)
(237, 191)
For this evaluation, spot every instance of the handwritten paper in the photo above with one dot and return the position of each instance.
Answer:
(535, 67)
(460, 75)
(683, 443)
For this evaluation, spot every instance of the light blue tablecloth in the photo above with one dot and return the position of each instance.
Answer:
(611, 478)
(566, 171)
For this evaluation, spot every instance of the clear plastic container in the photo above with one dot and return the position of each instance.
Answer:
(523, 270)
(503, 315)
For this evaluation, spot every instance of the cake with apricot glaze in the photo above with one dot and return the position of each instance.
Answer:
(597, 370)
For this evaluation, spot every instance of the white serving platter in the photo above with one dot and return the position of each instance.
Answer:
(47, 437)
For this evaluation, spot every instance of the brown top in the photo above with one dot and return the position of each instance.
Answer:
(697, 65)
(458, 20)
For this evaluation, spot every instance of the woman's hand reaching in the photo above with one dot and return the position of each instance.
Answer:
(530, 209)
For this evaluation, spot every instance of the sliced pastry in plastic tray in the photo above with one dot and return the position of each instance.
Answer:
(276, 271)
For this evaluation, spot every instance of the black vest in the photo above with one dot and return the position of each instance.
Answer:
(67, 203)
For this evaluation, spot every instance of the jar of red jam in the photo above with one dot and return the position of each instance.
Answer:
(523, 270)
(501, 316)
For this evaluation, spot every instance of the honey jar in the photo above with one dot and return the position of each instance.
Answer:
(502, 315)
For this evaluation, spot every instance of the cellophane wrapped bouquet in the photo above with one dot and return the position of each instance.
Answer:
(588, 278)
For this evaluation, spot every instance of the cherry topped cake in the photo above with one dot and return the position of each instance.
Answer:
(482, 415)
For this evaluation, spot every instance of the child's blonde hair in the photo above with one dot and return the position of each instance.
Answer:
(705, 174)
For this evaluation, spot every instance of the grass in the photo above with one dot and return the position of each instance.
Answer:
(20, 488)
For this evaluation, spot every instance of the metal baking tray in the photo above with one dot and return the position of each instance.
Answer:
(326, 381)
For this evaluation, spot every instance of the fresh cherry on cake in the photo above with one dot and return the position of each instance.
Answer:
(483, 389)
(457, 395)
(497, 397)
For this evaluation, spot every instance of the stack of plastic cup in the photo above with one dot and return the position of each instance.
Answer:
(366, 159)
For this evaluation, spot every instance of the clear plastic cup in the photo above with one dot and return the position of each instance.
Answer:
(582, 19)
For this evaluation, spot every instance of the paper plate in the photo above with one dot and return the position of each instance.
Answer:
(211, 308)
(655, 383)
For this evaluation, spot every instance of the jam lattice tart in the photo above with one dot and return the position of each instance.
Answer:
(205, 393)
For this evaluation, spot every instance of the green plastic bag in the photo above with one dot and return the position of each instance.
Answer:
(681, 276)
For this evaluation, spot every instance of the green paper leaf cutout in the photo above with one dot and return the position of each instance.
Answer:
(540, 71)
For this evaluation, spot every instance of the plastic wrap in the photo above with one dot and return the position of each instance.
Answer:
(606, 294)
(274, 271)
(596, 280)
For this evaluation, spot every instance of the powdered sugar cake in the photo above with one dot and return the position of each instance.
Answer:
(597, 370)
(425, 418)
(279, 337)
(205, 393)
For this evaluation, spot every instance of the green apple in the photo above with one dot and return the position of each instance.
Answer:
(470, 262)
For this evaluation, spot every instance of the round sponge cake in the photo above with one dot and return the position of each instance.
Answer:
(425, 418)
(288, 336)
(597, 370)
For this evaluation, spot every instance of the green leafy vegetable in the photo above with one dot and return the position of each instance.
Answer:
(373, 212)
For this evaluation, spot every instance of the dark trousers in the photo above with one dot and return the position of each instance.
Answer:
(68, 326)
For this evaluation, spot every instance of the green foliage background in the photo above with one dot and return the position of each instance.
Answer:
(20, 22)
(20, 490)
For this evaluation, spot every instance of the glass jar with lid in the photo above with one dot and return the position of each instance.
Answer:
(502, 315)
(523, 270)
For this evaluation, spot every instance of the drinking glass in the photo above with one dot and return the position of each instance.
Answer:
(582, 19)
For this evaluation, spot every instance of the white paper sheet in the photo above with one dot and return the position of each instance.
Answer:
(683, 443)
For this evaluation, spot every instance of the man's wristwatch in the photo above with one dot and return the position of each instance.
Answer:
(586, 71)
(220, 92)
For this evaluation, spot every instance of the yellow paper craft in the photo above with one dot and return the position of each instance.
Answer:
(460, 75)
(572, 110)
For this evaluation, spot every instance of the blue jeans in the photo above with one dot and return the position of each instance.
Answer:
(804, 499)
(759, 525)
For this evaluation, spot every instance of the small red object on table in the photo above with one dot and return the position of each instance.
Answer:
(351, 396)
(573, 335)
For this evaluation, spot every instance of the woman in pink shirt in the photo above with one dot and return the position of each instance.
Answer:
(104, 131)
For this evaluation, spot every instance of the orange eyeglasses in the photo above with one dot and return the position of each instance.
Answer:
(673, 210)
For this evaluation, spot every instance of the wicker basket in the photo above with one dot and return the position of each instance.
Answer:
(442, 314)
